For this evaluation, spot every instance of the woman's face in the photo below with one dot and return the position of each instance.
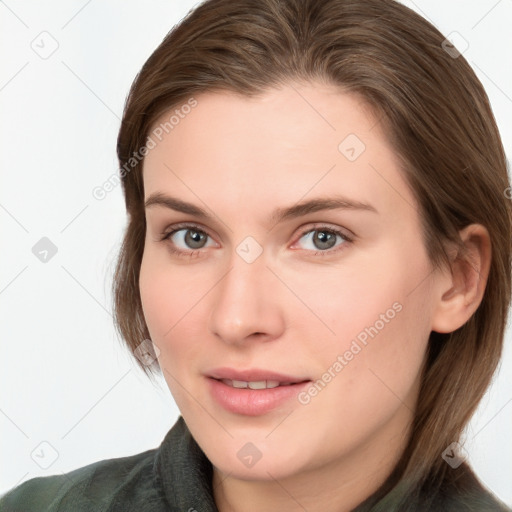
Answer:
(335, 297)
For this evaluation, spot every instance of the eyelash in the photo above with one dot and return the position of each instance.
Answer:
(194, 252)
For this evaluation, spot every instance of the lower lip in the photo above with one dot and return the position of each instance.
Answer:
(252, 402)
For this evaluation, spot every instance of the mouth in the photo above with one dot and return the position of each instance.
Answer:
(253, 392)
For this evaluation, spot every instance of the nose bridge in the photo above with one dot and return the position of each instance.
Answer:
(245, 302)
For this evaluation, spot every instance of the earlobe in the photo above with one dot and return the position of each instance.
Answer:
(460, 291)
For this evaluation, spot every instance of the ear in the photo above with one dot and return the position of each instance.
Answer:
(459, 290)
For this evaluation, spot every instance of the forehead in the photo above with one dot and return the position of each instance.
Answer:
(282, 145)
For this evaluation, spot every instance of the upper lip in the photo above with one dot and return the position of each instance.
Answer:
(253, 375)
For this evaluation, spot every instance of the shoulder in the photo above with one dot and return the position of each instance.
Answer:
(95, 487)
(465, 492)
(452, 490)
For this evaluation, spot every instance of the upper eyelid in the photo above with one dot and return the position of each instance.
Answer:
(318, 226)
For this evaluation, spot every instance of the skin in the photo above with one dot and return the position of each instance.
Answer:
(291, 310)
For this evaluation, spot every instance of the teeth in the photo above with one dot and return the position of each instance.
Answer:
(242, 384)
(258, 385)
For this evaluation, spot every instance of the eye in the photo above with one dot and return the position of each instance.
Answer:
(322, 239)
(186, 239)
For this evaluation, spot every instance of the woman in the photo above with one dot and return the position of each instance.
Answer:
(319, 249)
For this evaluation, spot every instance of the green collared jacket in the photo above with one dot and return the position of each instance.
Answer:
(177, 476)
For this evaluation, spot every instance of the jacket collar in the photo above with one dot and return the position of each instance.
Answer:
(184, 472)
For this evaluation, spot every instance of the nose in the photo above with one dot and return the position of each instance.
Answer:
(246, 303)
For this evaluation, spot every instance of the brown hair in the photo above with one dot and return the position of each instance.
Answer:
(437, 116)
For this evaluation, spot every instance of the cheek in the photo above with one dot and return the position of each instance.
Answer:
(173, 309)
(369, 373)
(380, 319)
(360, 300)
(155, 296)
(375, 309)
(166, 294)
(160, 306)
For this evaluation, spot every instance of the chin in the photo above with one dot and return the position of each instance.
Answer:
(245, 460)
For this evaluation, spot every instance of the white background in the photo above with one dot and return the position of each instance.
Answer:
(66, 379)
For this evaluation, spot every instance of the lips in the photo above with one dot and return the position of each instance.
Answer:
(253, 392)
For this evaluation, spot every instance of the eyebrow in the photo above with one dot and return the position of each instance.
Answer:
(278, 215)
